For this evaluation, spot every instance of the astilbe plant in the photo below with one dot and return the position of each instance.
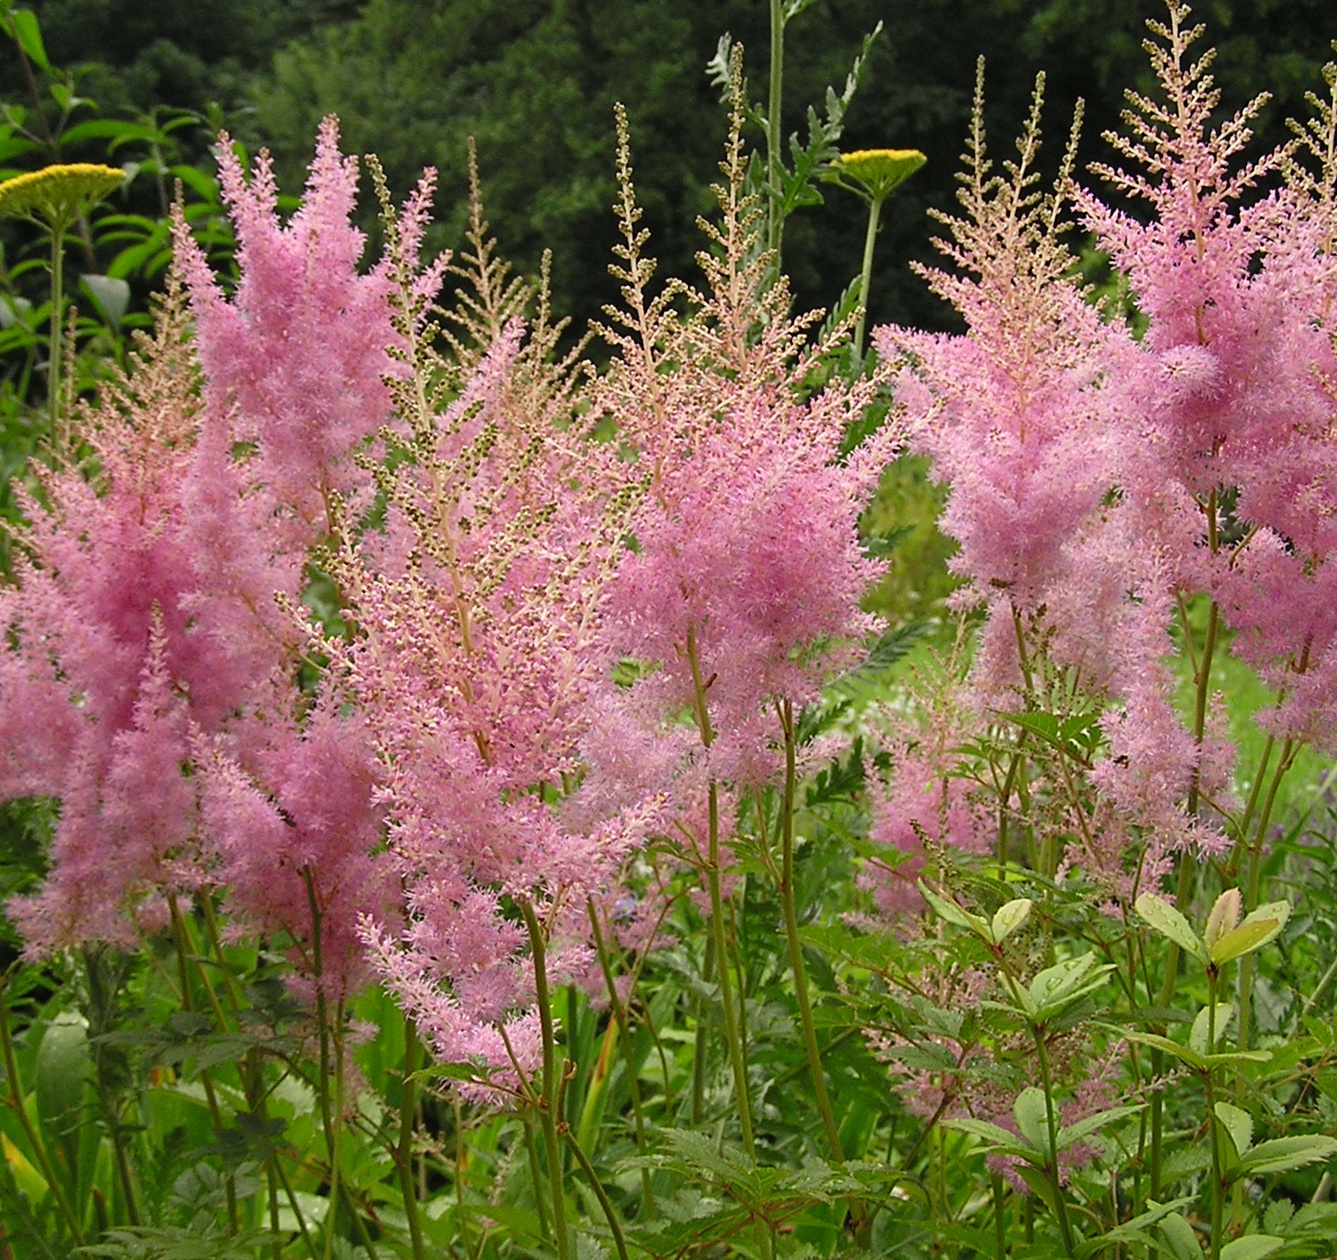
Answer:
(1123, 491)
(476, 602)
(154, 619)
(1101, 480)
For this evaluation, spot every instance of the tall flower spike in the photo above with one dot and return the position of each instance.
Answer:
(478, 604)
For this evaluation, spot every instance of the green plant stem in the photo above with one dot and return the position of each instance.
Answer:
(789, 908)
(620, 1015)
(775, 130)
(1051, 1121)
(702, 1040)
(57, 347)
(329, 1115)
(609, 1211)
(297, 1212)
(1289, 748)
(866, 273)
(14, 1100)
(537, 1180)
(183, 952)
(1213, 1125)
(408, 1110)
(549, 1101)
(731, 1031)
(999, 1220)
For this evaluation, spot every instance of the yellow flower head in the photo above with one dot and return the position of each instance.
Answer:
(57, 195)
(874, 173)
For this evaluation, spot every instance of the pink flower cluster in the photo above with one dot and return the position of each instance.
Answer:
(152, 678)
(1101, 477)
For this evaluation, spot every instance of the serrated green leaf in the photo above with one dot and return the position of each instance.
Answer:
(1277, 1215)
(1161, 915)
(1284, 1154)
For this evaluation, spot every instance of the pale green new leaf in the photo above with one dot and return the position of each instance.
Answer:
(1185, 1054)
(1032, 1118)
(1007, 919)
(1162, 916)
(998, 1138)
(1064, 983)
(946, 908)
(1198, 1036)
(1183, 1241)
(1134, 1230)
(1251, 1247)
(1238, 1125)
(1081, 1129)
(1257, 930)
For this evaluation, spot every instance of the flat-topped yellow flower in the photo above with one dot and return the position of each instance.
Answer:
(874, 173)
(57, 195)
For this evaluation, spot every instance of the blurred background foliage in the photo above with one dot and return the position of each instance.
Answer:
(535, 80)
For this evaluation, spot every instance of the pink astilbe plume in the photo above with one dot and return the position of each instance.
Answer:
(154, 624)
(295, 364)
(477, 606)
(1099, 480)
(740, 593)
(98, 663)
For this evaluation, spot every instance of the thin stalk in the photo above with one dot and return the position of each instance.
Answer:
(775, 130)
(609, 1211)
(789, 908)
(702, 1044)
(549, 1102)
(536, 1177)
(999, 1221)
(1051, 1121)
(57, 347)
(253, 1077)
(731, 1030)
(1213, 1127)
(408, 1110)
(206, 1077)
(461, 1207)
(1251, 888)
(329, 1120)
(628, 1055)
(866, 274)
